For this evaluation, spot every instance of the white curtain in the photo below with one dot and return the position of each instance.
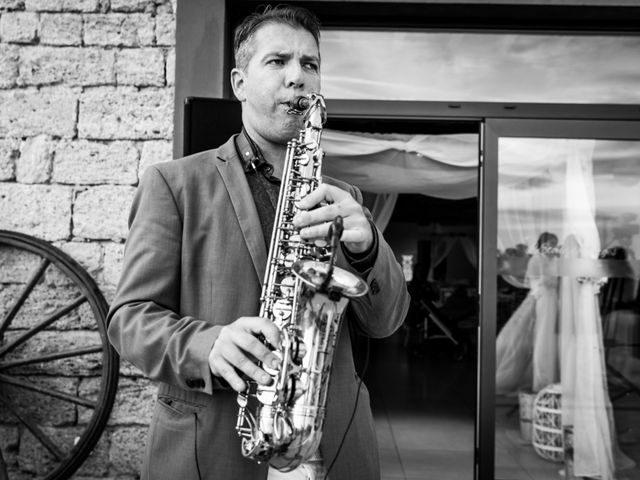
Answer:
(585, 405)
(444, 166)
(441, 246)
(555, 193)
(470, 249)
(382, 209)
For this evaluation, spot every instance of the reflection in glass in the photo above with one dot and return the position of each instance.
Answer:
(568, 343)
(453, 66)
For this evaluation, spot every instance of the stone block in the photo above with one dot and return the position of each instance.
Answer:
(9, 443)
(44, 301)
(113, 255)
(11, 4)
(101, 212)
(19, 27)
(48, 342)
(141, 67)
(18, 266)
(30, 112)
(96, 465)
(133, 404)
(127, 448)
(154, 151)
(34, 164)
(60, 29)
(63, 5)
(166, 29)
(86, 162)
(9, 153)
(128, 369)
(42, 409)
(170, 69)
(35, 459)
(133, 6)
(166, 7)
(123, 113)
(39, 210)
(119, 29)
(88, 254)
(72, 66)
(8, 65)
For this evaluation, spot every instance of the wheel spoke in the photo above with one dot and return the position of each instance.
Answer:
(33, 428)
(48, 358)
(47, 391)
(42, 325)
(23, 295)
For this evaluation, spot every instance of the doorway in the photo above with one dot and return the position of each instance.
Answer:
(422, 379)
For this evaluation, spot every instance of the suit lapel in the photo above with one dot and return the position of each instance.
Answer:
(233, 176)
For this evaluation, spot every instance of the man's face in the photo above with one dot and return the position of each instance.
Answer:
(285, 64)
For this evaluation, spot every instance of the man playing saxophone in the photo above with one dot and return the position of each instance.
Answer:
(186, 308)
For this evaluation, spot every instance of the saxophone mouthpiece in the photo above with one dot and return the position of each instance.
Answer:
(299, 105)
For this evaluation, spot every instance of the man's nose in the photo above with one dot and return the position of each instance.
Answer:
(294, 75)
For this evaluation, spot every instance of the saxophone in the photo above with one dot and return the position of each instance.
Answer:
(305, 296)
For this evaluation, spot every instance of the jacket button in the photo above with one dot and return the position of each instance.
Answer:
(195, 383)
(375, 288)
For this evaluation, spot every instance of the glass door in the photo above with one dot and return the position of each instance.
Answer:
(560, 334)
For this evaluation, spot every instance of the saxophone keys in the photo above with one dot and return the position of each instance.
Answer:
(298, 350)
(282, 427)
(289, 260)
(281, 310)
(305, 188)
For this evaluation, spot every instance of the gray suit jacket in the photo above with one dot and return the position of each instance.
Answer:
(194, 261)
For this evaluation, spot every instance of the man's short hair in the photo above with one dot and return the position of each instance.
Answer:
(297, 17)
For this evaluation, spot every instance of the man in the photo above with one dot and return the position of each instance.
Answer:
(185, 311)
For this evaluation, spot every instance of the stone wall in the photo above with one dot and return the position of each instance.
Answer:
(86, 104)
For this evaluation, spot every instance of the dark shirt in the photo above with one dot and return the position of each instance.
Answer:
(265, 188)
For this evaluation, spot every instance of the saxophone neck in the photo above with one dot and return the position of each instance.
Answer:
(313, 107)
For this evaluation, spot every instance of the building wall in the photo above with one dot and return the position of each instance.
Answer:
(86, 104)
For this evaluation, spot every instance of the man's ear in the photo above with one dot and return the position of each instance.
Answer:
(237, 83)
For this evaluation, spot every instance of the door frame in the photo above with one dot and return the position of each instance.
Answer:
(494, 129)
(498, 120)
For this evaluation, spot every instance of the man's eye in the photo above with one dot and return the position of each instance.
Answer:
(276, 61)
(311, 66)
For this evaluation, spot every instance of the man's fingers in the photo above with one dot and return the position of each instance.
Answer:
(265, 329)
(231, 377)
(250, 344)
(237, 350)
(239, 359)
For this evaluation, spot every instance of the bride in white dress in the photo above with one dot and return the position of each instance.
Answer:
(527, 346)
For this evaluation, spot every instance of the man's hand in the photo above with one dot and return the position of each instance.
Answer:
(238, 348)
(314, 224)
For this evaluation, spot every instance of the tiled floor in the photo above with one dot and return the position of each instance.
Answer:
(424, 411)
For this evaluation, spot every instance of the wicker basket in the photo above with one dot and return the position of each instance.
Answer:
(547, 423)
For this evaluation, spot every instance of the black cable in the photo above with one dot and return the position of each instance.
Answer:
(353, 414)
(195, 445)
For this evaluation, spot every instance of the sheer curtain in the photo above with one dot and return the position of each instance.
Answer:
(554, 192)
(382, 209)
(444, 166)
(586, 405)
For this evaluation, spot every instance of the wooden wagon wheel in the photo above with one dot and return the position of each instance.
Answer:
(58, 373)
